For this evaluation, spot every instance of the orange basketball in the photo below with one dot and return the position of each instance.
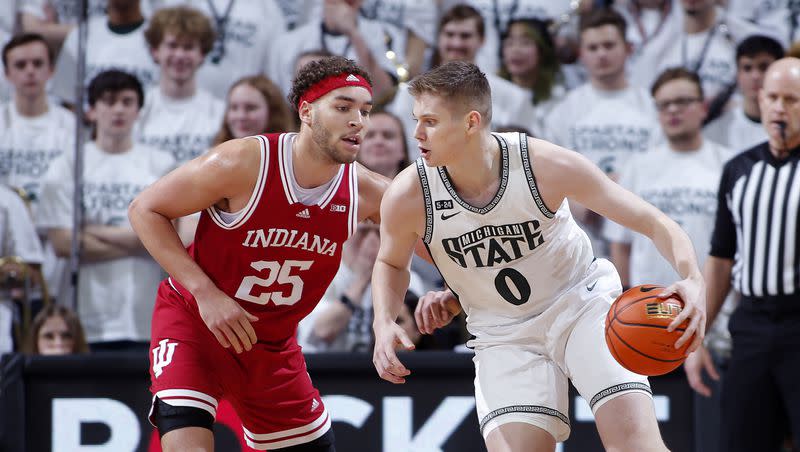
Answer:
(636, 331)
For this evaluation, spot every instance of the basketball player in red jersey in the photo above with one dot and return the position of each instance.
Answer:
(276, 210)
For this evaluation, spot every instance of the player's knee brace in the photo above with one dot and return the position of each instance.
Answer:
(168, 417)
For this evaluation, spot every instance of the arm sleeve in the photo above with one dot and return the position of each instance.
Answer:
(723, 239)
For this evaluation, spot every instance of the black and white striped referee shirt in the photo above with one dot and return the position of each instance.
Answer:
(757, 222)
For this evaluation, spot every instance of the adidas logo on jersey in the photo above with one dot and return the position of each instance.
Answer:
(314, 404)
(351, 78)
(304, 214)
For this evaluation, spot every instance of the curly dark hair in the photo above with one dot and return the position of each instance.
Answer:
(315, 71)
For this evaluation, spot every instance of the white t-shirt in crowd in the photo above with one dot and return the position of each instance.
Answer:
(500, 12)
(608, 127)
(105, 50)
(27, 148)
(511, 106)
(116, 297)
(710, 53)
(185, 127)
(251, 27)
(284, 51)
(735, 130)
(683, 185)
(29, 144)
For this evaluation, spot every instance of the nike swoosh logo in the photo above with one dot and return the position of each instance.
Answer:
(591, 288)
(447, 217)
(648, 289)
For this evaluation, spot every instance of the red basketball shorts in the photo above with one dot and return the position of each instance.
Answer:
(269, 388)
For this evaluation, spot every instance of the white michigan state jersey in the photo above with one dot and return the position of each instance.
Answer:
(511, 259)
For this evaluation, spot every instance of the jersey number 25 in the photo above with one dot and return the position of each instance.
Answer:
(276, 272)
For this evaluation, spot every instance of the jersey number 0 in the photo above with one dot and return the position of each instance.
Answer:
(512, 286)
(276, 272)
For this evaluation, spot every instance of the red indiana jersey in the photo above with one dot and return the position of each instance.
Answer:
(278, 256)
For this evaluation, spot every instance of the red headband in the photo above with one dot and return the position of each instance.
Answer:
(331, 83)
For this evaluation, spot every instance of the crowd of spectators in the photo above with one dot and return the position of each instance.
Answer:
(657, 93)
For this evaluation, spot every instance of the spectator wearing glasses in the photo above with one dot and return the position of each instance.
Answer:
(680, 177)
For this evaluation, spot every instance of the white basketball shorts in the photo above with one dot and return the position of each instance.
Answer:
(525, 379)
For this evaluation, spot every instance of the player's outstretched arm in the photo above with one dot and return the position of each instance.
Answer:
(402, 219)
(226, 174)
(562, 173)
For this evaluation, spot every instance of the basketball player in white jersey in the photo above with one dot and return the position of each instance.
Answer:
(493, 212)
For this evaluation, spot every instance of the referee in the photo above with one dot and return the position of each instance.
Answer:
(756, 248)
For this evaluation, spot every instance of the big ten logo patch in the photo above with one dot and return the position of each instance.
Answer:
(444, 204)
(162, 356)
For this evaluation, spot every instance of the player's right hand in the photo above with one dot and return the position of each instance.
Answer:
(229, 322)
(435, 309)
(693, 366)
(388, 337)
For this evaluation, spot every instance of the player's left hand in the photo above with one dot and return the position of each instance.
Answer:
(692, 291)
(388, 337)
